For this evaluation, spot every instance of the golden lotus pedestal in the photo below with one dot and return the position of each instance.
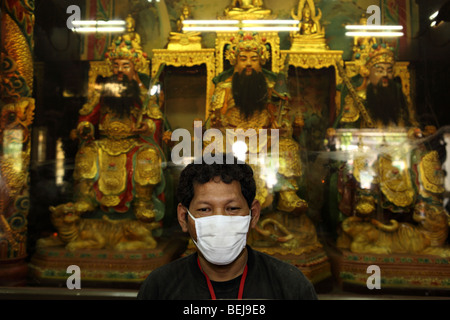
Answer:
(400, 273)
(101, 268)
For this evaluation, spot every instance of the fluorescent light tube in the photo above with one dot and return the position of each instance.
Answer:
(382, 34)
(98, 30)
(98, 22)
(373, 27)
(269, 28)
(212, 28)
(434, 15)
(213, 22)
(264, 22)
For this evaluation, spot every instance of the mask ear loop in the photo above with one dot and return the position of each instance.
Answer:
(190, 214)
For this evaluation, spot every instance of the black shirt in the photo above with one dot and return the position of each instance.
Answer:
(267, 278)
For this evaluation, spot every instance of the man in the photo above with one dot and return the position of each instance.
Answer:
(217, 207)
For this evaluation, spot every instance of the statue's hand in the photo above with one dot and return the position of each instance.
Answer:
(143, 129)
(85, 131)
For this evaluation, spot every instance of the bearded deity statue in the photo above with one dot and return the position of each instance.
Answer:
(251, 98)
(118, 174)
(394, 179)
(374, 98)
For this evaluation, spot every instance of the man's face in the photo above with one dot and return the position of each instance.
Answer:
(381, 72)
(216, 198)
(248, 61)
(123, 67)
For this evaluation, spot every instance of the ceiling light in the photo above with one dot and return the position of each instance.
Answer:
(373, 27)
(381, 34)
(211, 29)
(213, 22)
(264, 22)
(98, 26)
(434, 15)
(236, 25)
(269, 28)
(98, 22)
(381, 31)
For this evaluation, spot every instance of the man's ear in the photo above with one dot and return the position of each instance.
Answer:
(182, 217)
(256, 211)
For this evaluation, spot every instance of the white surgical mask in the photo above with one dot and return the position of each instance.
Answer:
(221, 238)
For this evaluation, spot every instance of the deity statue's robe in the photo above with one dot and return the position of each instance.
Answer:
(224, 114)
(122, 168)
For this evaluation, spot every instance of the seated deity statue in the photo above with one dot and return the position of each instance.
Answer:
(374, 99)
(118, 167)
(308, 26)
(247, 9)
(247, 97)
(388, 185)
(131, 36)
(310, 34)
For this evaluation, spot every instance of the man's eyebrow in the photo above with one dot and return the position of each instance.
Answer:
(226, 201)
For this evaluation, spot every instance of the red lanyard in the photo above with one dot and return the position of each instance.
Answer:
(211, 289)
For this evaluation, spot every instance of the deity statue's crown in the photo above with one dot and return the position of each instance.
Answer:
(247, 42)
(124, 48)
(375, 53)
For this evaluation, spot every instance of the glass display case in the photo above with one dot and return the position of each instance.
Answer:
(352, 172)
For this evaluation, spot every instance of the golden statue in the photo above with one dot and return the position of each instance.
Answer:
(374, 97)
(361, 43)
(118, 176)
(426, 236)
(131, 35)
(249, 97)
(397, 179)
(184, 40)
(311, 35)
(247, 10)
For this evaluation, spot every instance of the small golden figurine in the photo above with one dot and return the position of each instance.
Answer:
(247, 10)
(310, 35)
(184, 40)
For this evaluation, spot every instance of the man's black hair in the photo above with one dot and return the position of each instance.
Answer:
(203, 173)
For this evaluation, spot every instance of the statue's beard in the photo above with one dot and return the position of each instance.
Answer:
(249, 92)
(121, 105)
(385, 104)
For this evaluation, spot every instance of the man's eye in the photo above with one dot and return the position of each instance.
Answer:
(203, 209)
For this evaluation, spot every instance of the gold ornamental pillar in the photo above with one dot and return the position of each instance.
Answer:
(16, 116)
